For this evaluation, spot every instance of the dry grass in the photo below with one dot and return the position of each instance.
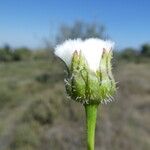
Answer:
(34, 112)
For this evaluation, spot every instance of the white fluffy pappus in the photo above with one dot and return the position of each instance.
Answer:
(91, 49)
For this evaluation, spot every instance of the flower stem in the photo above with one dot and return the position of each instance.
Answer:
(91, 116)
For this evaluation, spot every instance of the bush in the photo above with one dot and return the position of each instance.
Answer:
(129, 54)
(145, 50)
(6, 53)
(21, 54)
(80, 29)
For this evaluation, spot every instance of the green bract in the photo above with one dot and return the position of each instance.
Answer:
(89, 87)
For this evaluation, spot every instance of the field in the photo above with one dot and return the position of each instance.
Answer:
(36, 115)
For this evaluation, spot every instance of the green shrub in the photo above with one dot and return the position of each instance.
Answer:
(8, 54)
(5, 54)
(21, 54)
(145, 50)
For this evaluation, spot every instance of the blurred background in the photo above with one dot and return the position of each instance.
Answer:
(34, 111)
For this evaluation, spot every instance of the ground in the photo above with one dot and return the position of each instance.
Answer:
(35, 113)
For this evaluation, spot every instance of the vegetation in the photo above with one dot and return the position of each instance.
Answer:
(36, 115)
(81, 30)
(145, 50)
(8, 54)
(34, 112)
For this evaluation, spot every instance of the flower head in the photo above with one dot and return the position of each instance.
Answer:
(89, 78)
(91, 49)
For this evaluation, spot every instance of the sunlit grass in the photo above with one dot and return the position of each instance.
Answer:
(34, 112)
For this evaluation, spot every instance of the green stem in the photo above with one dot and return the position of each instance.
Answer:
(91, 115)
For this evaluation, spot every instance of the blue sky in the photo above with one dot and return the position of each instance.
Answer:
(29, 22)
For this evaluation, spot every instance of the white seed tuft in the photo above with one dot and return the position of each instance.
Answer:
(91, 49)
